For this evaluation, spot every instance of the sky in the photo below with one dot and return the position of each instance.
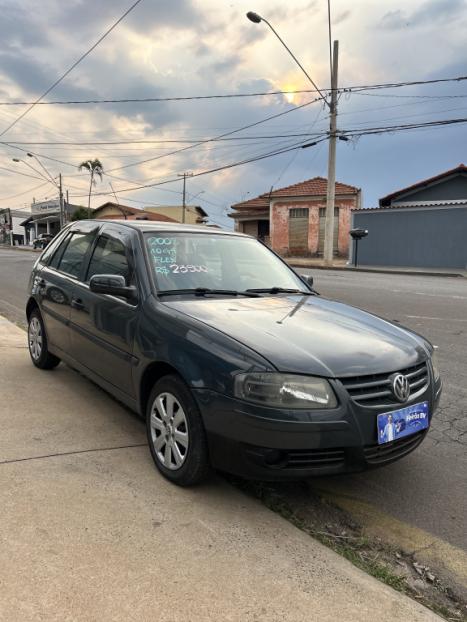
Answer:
(186, 48)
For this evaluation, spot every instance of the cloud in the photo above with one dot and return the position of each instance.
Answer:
(341, 17)
(146, 18)
(18, 28)
(185, 48)
(431, 12)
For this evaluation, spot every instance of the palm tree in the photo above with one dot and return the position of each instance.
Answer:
(94, 167)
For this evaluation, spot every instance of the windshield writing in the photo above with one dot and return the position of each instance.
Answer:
(189, 261)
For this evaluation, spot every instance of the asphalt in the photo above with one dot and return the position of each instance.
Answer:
(90, 531)
(422, 499)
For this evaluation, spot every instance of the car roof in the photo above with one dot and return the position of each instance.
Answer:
(146, 226)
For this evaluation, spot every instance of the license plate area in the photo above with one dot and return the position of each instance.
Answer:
(397, 424)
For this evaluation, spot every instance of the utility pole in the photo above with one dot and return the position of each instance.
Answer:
(184, 175)
(62, 211)
(331, 190)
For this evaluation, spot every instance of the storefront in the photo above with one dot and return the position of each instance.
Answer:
(45, 218)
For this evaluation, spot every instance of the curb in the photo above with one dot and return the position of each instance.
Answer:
(23, 248)
(378, 270)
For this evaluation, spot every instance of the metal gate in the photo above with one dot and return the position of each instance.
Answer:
(298, 230)
(322, 226)
(250, 227)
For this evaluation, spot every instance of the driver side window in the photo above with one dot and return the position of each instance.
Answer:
(109, 257)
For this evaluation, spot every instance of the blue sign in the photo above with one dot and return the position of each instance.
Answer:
(403, 422)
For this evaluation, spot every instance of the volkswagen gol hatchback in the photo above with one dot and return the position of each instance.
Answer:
(234, 361)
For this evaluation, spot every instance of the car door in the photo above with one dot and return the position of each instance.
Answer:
(55, 282)
(103, 326)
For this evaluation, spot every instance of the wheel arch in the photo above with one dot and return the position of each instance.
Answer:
(30, 306)
(153, 373)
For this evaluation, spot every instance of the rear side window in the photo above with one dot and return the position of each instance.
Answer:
(52, 247)
(109, 257)
(71, 260)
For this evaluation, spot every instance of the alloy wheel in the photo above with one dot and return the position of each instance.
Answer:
(35, 338)
(169, 431)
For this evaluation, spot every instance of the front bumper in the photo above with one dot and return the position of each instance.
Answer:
(271, 444)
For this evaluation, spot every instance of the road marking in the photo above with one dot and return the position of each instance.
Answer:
(454, 296)
(443, 319)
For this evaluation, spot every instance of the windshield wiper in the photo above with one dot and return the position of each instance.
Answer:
(279, 290)
(202, 291)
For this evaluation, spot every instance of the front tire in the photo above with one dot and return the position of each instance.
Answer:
(37, 342)
(175, 432)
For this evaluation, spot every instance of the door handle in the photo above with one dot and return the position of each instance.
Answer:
(77, 303)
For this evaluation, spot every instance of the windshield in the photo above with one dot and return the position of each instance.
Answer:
(182, 261)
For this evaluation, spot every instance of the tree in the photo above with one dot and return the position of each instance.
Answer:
(94, 167)
(80, 214)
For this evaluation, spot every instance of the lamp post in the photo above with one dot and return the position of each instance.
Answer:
(332, 105)
(48, 177)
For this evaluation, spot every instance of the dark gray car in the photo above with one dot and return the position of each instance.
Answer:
(232, 358)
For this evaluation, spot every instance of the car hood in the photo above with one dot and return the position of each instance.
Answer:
(307, 334)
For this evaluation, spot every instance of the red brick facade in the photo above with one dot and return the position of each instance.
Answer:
(276, 207)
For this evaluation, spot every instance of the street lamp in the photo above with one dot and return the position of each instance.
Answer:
(332, 105)
(31, 155)
(48, 178)
(256, 19)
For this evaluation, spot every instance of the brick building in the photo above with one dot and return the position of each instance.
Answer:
(291, 219)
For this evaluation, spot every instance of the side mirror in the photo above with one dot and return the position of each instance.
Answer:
(308, 279)
(112, 284)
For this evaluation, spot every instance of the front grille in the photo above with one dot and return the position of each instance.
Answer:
(308, 458)
(375, 390)
(379, 454)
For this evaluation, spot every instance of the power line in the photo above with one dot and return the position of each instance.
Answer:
(393, 85)
(216, 138)
(353, 132)
(209, 171)
(11, 170)
(142, 100)
(68, 71)
(399, 128)
(398, 96)
(160, 141)
(20, 194)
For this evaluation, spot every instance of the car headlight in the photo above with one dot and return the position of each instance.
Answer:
(285, 390)
(434, 363)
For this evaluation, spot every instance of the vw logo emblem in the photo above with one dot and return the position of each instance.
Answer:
(400, 387)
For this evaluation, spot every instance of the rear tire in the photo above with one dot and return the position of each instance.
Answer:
(37, 342)
(176, 435)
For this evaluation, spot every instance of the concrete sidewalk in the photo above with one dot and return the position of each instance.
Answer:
(316, 263)
(91, 532)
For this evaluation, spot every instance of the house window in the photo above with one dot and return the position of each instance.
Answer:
(299, 212)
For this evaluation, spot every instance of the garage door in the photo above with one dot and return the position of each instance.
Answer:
(251, 227)
(298, 230)
(322, 225)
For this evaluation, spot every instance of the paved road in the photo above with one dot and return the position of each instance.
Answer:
(427, 490)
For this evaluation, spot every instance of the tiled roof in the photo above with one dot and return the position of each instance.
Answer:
(141, 215)
(310, 187)
(132, 213)
(259, 212)
(118, 206)
(425, 182)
